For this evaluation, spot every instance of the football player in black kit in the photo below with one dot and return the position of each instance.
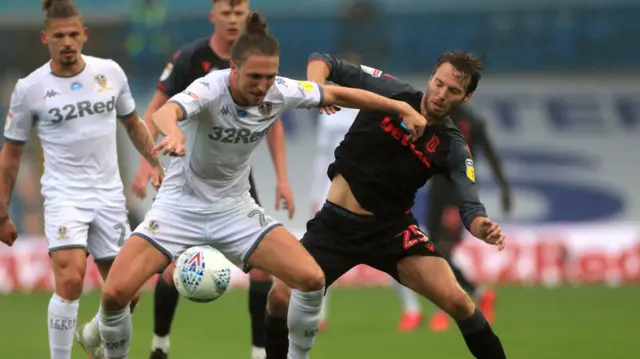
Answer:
(191, 62)
(443, 221)
(378, 169)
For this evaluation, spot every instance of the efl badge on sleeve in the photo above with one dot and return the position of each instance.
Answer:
(101, 80)
(306, 86)
(265, 108)
(471, 172)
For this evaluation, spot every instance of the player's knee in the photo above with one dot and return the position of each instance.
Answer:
(69, 283)
(259, 276)
(459, 305)
(278, 300)
(116, 295)
(310, 279)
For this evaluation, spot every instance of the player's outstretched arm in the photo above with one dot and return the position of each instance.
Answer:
(472, 211)
(365, 100)
(323, 67)
(166, 121)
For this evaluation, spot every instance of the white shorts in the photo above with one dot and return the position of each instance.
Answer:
(235, 231)
(100, 230)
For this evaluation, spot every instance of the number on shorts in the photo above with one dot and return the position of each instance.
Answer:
(122, 229)
(412, 236)
(261, 217)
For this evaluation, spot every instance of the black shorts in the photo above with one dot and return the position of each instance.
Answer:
(340, 240)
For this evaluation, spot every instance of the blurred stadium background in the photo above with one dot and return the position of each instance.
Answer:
(561, 98)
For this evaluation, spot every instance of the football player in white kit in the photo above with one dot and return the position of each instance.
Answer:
(204, 198)
(73, 102)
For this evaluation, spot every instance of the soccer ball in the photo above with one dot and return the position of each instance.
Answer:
(202, 274)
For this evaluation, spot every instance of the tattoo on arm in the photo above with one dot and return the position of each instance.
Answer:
(141, 138)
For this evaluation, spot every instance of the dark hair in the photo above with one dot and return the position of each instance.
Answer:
(254, 39)
(59, 9)
(467, 63)
(232, 3)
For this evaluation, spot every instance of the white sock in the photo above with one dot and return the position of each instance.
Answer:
(62, 318)
(408, 298)
(303, 320)
(325, 301)
(258, 353)
(161, 343)
(115, 332)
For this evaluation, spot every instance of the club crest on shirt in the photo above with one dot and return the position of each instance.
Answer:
(101, 80)
(265, 108)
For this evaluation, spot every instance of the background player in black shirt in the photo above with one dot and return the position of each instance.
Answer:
(443, 221)
(375, 177)
(191, 62)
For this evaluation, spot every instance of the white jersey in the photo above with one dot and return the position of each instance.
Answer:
(331, 131)
(75, 119)
(215, 170)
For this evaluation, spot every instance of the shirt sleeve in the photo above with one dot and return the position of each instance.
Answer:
(363, 77)
(125, 105)
(20, 117)
(197, 96)
(300, 94)
(174, 77)
(463, 177)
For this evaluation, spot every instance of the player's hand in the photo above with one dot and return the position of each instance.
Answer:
(140, 180)
(172, 145)
(490, 232)
(157, 176)
(8, 231)
(414, 123)
(329, 110)
(284, 198)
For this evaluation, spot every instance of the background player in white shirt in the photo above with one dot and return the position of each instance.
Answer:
(73, 102)
(205, 199)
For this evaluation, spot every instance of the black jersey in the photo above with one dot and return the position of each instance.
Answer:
(383, 168)
(191, 62)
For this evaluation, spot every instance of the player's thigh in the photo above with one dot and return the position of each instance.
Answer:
(432, 277)
(137, 261)
(329, 248)
(108, 232)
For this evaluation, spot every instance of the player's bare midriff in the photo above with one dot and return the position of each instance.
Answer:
(340, 194)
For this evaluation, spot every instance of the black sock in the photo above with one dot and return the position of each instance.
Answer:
(464, 282)
(258, 292)
(482, 342)
(277, 337)
(165, 303)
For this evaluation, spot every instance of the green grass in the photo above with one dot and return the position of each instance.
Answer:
(533, 323)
